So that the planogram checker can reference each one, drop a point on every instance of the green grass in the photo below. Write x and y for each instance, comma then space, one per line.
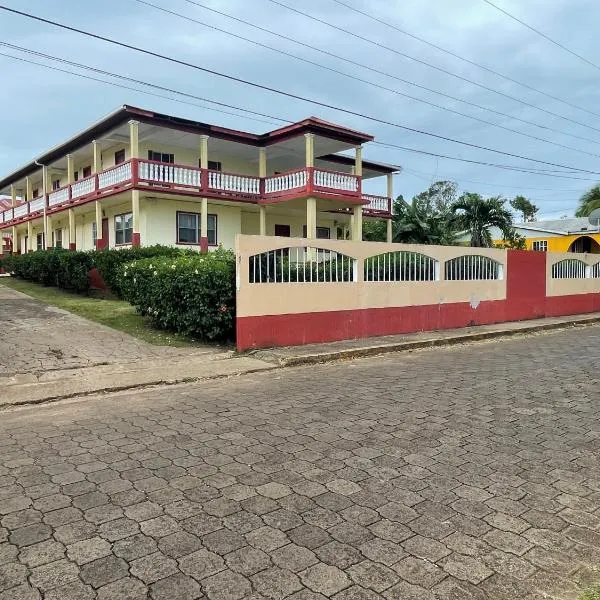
111, 312
592, 593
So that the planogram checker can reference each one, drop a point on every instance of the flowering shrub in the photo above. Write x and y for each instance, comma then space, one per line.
108, 262
193, 294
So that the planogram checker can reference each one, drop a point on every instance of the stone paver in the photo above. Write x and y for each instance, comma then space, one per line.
468, 472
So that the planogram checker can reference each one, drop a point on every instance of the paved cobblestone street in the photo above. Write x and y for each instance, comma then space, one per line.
461, 473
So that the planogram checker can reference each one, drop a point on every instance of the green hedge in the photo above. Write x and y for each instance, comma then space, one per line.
61, 268
109, 262
190, 294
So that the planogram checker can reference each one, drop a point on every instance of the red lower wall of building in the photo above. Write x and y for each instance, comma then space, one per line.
525, 299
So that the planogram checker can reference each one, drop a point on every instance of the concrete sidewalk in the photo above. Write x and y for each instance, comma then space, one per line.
143, 365
348, 349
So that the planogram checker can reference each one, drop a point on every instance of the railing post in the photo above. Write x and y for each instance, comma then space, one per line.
135, 172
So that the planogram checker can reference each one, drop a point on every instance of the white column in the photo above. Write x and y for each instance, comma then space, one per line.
29, 236
310, 149
72, 243
390, 235
390, 186
135, 212
204, 152
70, 169
204, 225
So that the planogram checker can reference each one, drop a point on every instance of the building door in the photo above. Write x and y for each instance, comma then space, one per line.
105, 233
282, 230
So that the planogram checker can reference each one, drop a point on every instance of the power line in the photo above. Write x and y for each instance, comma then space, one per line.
126, 87
375, 70
420, 61
243, 110
542, 34
287, 94
379, 86
462, 58
479, 162
137, 81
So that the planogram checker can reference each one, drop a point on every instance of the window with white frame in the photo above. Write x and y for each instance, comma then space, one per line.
188, 228
56, 184
540, 246
94, 233
123, 229
39, 241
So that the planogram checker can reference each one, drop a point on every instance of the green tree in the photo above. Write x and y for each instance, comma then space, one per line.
524, 206
589, 201
477, 215
374, 230
439, 196
513, 241
418, 222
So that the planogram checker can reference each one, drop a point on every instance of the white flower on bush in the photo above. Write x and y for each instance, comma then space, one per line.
155, 273
196, 271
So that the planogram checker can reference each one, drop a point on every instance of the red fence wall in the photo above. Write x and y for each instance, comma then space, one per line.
526, 298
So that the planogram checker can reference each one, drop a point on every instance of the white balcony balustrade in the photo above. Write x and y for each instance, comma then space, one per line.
286, 182
228, 182
377, 203
37, 205
84, 187
114, 176
168, 173
335, 181
21, 211
58, 197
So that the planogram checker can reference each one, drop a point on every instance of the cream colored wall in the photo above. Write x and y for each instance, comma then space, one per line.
290, 298
159, 221
83, 231
251, 225
570, 287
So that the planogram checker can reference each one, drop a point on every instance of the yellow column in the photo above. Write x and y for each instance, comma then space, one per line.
48, 232
97, 160
311, 218
310, 149
262, 162
28, 188
29, 236
204, 225
135, 211
204, 152
45, 187
262, 219
357, 224
70, 169
358, 170
15, 240
134, 139
100, 243
72, 243
13, 195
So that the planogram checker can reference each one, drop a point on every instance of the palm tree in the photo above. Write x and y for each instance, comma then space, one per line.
589, 202
418, 222
477, 215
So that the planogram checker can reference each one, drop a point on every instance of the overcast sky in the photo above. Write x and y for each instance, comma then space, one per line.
42, 107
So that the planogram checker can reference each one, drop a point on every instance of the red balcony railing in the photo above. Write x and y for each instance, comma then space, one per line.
192, 180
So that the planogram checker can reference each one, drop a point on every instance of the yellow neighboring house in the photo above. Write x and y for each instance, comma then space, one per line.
559, 235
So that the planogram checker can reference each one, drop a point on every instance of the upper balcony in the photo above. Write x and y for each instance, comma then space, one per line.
159, 177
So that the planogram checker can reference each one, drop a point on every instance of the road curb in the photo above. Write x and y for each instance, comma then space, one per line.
407, 346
